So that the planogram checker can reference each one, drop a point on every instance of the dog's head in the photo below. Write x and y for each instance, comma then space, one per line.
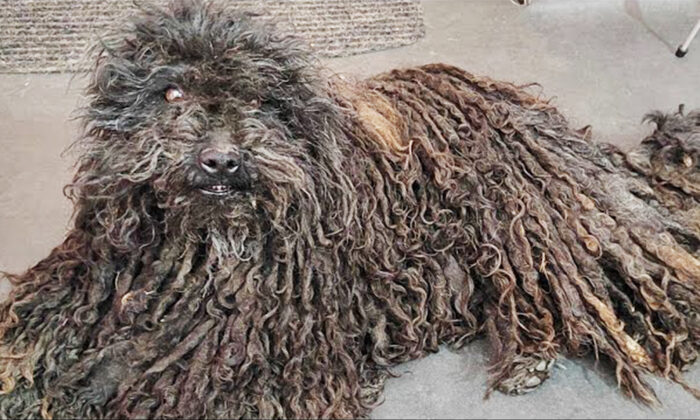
207, 112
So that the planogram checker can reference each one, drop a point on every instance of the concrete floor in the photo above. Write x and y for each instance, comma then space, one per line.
606, 62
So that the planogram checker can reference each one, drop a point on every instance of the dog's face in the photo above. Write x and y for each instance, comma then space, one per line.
208, 111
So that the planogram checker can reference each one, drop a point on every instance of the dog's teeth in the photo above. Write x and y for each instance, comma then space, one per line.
219, 188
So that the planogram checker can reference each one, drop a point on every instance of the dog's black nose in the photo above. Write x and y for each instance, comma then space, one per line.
217, 163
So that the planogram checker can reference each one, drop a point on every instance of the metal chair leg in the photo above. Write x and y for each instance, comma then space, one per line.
683, 49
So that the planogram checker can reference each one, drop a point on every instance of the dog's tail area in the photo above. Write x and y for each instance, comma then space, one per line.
668, 162
580, 248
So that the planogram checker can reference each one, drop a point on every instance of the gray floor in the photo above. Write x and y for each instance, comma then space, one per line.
606, 63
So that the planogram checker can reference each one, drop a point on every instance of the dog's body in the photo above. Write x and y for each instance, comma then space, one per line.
252, 240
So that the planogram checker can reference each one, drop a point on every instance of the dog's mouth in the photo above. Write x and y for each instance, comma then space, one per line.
224, 188
218, 190
234, 181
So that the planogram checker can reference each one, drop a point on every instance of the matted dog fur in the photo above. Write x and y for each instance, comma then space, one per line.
254, 239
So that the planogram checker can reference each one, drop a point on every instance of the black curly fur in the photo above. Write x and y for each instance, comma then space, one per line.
383, 218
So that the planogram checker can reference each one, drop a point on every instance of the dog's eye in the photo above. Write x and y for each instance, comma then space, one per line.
174, 94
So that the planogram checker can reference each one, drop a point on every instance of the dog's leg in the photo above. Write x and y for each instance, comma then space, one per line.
46, 325
525, 374
520, 363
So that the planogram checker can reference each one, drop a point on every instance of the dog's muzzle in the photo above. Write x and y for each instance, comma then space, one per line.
224, 172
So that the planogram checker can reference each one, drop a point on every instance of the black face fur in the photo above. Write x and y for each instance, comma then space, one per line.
181, 82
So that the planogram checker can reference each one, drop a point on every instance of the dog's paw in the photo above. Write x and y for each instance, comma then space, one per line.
525, 375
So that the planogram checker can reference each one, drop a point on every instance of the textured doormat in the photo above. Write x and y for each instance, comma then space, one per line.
39, 36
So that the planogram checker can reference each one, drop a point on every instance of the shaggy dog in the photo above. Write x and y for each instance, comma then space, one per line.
253, 239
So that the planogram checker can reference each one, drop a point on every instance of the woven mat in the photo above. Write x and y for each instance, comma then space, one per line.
53, 35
